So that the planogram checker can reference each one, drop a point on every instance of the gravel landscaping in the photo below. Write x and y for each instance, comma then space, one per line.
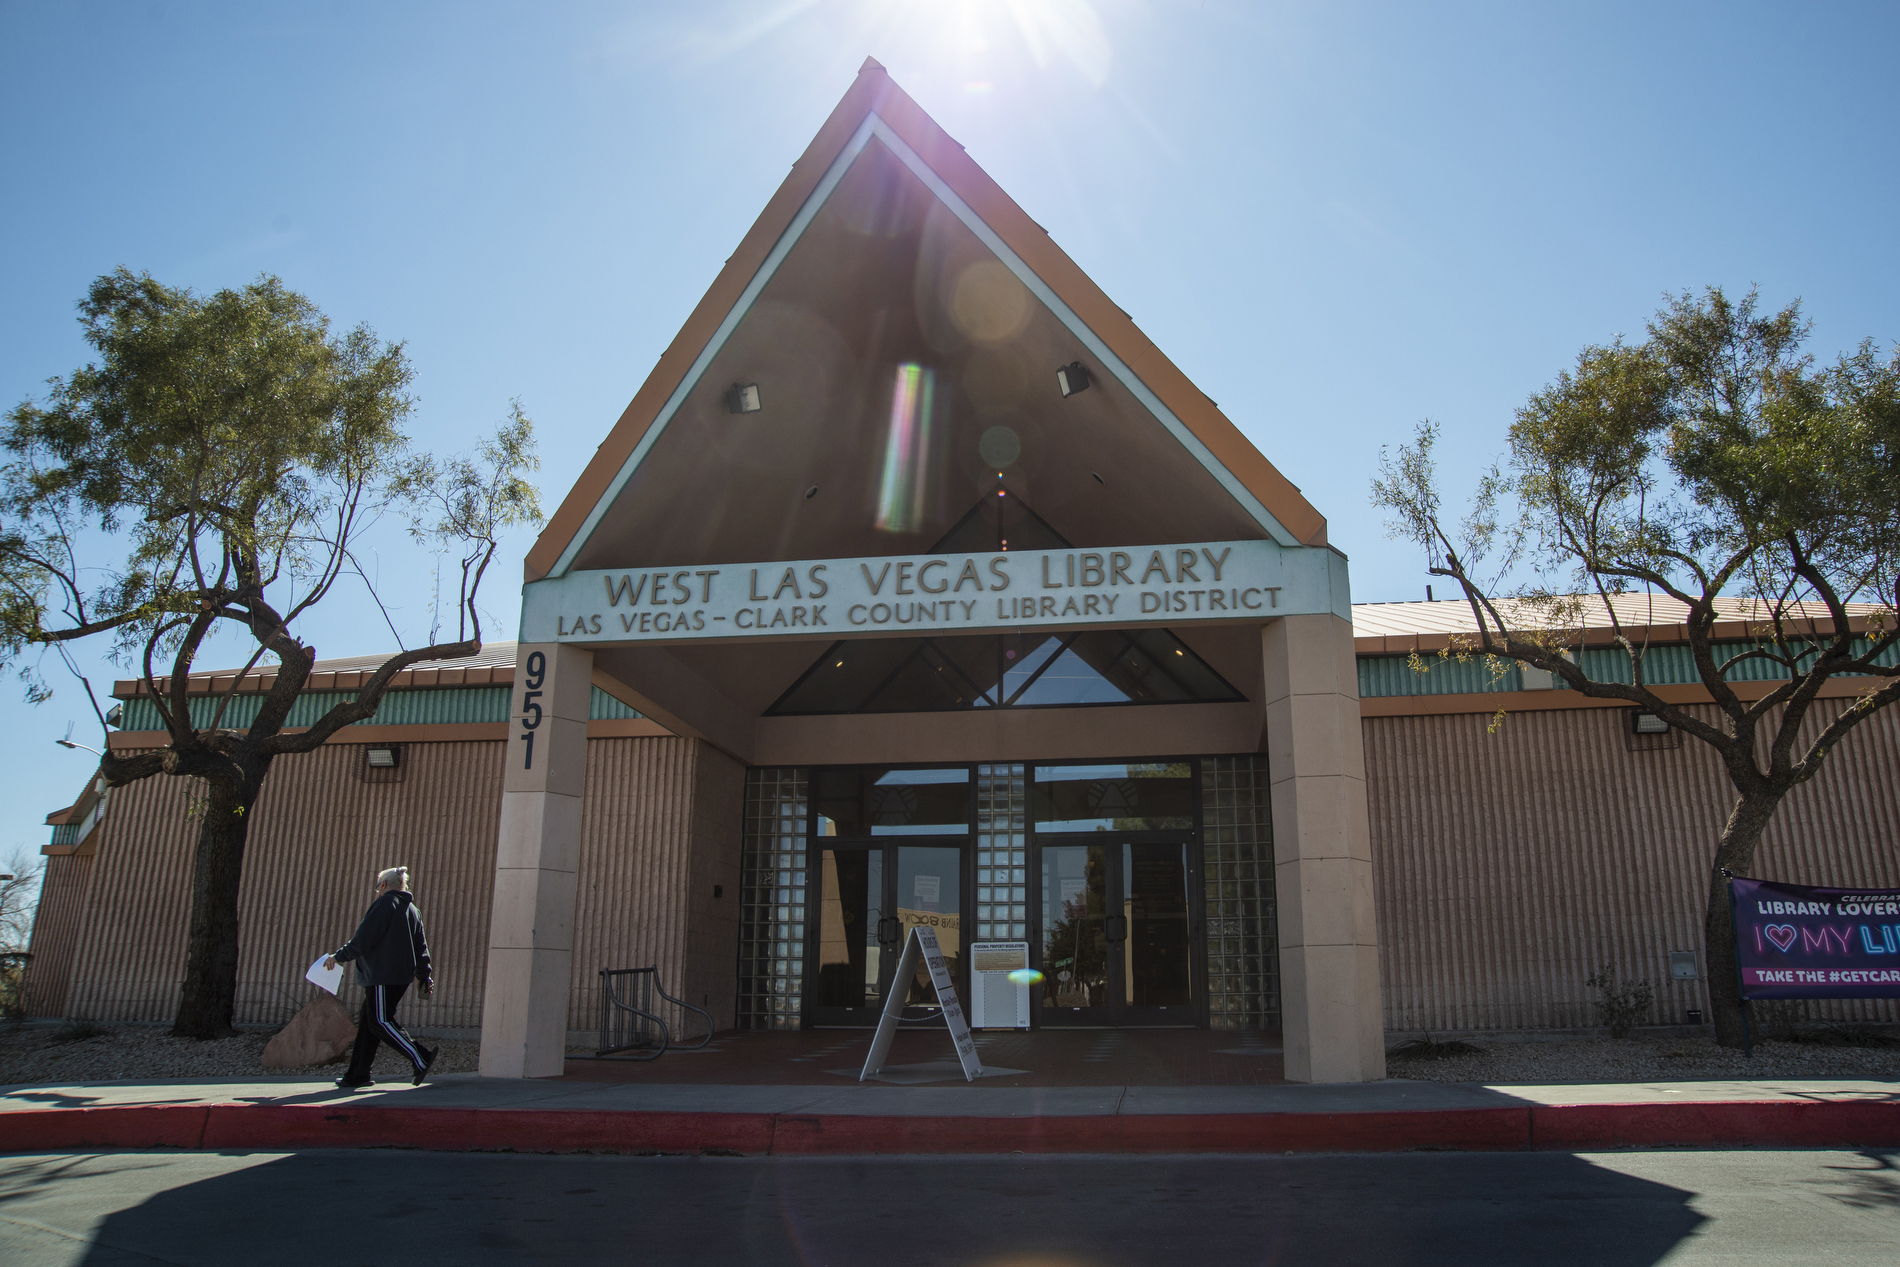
1646, 1060
50, 1053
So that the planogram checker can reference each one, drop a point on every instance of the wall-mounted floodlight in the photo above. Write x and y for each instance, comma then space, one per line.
383, 757
743, 398
1072, 378
1648, 724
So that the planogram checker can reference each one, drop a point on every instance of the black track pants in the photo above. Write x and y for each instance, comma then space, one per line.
377, 1024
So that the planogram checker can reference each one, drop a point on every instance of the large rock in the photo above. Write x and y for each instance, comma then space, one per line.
319, 1034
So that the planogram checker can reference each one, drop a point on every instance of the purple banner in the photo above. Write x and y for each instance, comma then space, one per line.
1796, 941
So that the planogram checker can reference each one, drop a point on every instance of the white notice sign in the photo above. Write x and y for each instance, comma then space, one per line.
929, 887
996, 1002
923, 941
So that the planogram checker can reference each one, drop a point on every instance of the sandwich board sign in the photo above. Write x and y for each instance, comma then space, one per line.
923, 941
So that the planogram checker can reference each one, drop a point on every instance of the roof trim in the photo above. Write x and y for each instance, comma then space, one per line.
1493, 702
873, 100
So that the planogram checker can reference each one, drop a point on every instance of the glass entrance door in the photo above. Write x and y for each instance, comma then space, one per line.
1115, 931
1157, 978
870, 897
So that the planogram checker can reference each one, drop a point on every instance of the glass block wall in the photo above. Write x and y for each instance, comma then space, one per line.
1243, 936
772, 901
1002, 854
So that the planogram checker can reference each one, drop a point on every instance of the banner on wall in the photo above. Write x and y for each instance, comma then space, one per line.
1799, 941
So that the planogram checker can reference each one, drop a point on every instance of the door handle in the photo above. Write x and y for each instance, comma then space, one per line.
1117, 927
887, 929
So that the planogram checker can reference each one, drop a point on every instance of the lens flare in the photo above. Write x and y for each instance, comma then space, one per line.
900, 499
1025, 976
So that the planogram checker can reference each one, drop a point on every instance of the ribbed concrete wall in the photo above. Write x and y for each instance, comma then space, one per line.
1510, 865
318, 838
56, 933
636, 865
661, 828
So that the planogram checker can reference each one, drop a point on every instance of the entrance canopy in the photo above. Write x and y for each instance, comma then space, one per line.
902, 412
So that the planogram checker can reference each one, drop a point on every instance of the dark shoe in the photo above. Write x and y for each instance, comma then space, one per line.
428, 1063
344, 1084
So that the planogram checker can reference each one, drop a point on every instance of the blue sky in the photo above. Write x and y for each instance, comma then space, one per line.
1337, 218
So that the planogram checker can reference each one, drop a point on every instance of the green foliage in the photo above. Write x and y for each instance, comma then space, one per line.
1716, 451
222, 443
1621, 1005
229, 450
470, 502
1712, 459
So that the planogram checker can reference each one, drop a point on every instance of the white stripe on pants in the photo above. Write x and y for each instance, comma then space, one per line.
391, 1033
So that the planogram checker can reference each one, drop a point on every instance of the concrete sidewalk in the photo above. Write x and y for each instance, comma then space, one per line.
465, 1112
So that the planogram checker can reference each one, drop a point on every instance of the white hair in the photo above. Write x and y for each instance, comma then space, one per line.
397, 877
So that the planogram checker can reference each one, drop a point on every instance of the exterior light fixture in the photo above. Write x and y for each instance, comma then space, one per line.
1648, 724
1072, 378
383, 757
743, 398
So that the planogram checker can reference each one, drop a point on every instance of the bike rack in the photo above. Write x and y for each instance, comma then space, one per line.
629, 1020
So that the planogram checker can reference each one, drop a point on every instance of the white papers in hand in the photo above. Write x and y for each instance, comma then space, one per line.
325, 978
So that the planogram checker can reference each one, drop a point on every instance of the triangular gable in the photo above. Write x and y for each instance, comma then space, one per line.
876, 109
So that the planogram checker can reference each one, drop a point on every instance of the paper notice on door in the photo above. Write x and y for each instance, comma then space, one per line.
324, 978
929, 888
1073, 889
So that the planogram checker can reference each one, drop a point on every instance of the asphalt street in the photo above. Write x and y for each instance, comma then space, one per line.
340, 1207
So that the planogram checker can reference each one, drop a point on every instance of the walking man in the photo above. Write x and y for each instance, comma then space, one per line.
389, 951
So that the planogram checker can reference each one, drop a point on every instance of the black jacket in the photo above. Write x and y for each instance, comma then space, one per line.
389, 948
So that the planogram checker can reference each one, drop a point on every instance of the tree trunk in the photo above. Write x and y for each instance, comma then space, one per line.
209, 999
1735, 853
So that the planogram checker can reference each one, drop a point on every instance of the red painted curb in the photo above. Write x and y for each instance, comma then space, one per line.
267, 1126
1569, 1127
1770, 1123
144, 1126
839, 1134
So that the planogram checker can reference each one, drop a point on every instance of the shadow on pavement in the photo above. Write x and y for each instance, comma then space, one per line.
329, 1207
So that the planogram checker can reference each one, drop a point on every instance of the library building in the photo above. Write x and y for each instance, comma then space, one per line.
917, 588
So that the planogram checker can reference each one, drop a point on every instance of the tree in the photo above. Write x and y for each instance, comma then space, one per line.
1716, 464
19, 895
218, 467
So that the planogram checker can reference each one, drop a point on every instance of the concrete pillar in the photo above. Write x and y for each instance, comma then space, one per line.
1333, 1026
531, 926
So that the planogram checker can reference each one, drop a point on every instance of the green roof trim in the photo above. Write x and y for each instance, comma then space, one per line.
427, 706
1388, 676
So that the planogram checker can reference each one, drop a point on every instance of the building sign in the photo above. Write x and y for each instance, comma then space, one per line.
1794, 941
938, 593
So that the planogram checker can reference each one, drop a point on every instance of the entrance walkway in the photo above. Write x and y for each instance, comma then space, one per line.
923, 1056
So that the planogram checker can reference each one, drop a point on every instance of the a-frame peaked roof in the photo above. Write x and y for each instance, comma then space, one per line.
876, 112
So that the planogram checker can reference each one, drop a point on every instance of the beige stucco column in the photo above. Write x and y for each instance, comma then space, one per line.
531, 926
1322, 848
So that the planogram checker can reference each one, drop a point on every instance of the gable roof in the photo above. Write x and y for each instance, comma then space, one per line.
875, 107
